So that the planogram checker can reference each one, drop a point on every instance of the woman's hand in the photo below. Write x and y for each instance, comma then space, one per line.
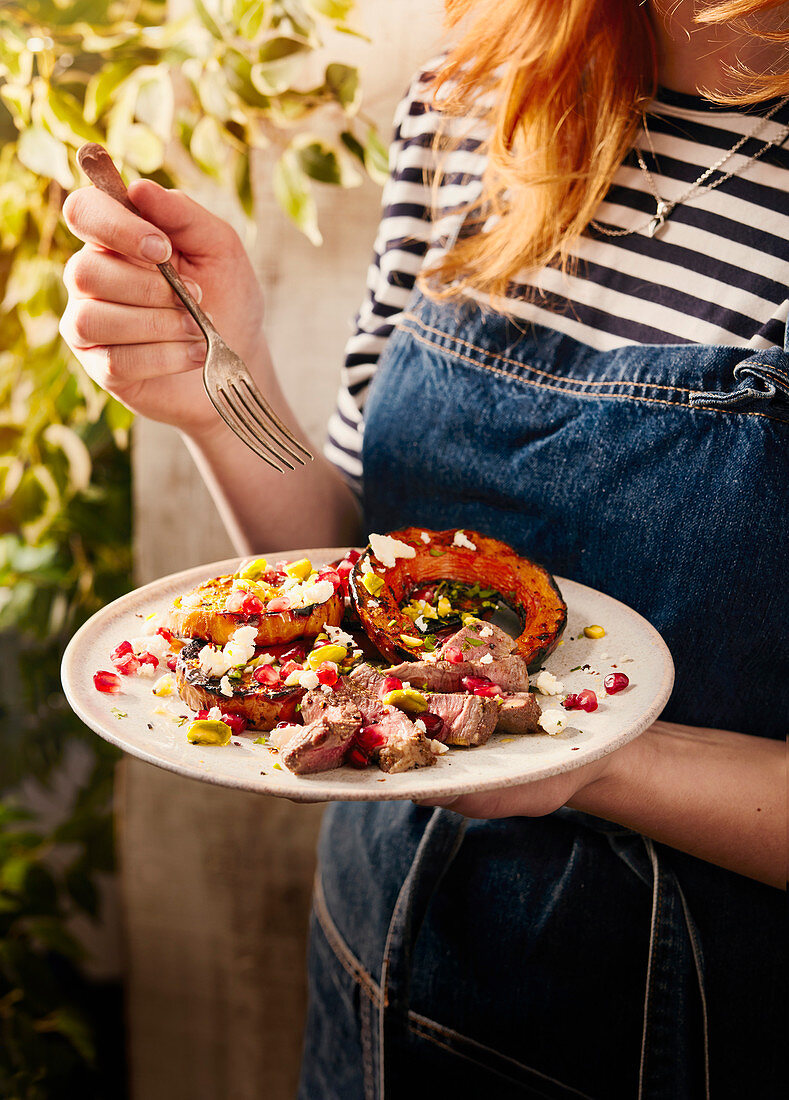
125, 324
715, 794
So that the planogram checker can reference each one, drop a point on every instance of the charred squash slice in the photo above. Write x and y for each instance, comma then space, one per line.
379, 590
202, 613
261, 706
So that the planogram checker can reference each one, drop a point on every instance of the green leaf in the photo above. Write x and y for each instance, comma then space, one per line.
337, 10
376, 157
66, 118
102, 85
292, 192
248, 16
207, 19
244, 184
142, 148
207, 147
353, 145
321, 161
73, 1026
343, 80
43, 154
18, 97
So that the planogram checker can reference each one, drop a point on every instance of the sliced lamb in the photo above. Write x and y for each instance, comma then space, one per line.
519, 713
468, 719
323, 743
405, 746
476, 640
367, 677
337, 704
510, 673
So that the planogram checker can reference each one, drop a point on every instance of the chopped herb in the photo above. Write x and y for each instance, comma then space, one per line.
181, 720
577, 668
119, 713
278, 767
429, 643
434, 552
473, 641
262, 740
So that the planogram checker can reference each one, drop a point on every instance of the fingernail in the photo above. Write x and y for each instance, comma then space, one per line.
191, 325
197, 352
155, 249
194, 289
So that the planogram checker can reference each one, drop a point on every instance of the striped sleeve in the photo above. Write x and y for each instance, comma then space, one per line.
400, 248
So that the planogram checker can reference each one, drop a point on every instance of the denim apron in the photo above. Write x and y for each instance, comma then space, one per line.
565, 956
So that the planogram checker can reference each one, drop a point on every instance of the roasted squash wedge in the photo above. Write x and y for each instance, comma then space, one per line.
381, 583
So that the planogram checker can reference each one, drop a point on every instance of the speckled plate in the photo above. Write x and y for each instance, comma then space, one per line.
154, 730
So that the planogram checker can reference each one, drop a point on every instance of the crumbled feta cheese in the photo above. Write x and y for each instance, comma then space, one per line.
225, 686
486, 659
547, 684
421, 623
424, 537
165, 685
294, 678
461, 539
235, 601
486, 632
212, 661
278, 738
241, 647
310, 592
327, 689
438, 748
191, 599
308, 679
337, 635
151, 643
420, 725
387, 549
215, 714
146, 670
265, 659
552, 721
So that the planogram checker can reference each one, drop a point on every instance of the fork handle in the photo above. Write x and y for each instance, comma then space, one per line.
96, 163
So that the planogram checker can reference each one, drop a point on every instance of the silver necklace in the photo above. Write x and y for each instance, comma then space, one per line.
665, 207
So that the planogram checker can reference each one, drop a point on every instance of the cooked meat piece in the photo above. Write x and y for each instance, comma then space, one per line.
479, 639
405, 746
323, 743
509, 673
338, 704
519, 713
366, 676
468, 719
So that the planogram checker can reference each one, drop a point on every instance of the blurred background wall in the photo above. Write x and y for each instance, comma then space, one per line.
215, 883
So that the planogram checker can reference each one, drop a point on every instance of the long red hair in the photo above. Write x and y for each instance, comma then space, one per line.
561, 85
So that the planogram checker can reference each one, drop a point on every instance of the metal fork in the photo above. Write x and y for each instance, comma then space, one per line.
227, 381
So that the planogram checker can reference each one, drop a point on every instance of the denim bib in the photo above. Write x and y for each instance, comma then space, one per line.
566, 957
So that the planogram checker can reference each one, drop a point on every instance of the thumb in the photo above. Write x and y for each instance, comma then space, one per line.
193, 231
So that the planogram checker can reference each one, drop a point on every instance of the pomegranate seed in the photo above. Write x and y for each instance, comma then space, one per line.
587, 700
107, 682
236, 722
327, 673
171, 662
127, 665
434, 725
279, 603
121, 650
333, 576
148, 659
571, 702
251, 605
165, 633
391, 683
480, 685
352, 556
288, 667
454, 656
356, 758
617, 681
202, 714
275, 577
265, 674
369, 738
294, 653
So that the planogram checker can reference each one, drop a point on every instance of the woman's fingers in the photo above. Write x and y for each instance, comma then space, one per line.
96, 273
118, 368
87, 323
98, 219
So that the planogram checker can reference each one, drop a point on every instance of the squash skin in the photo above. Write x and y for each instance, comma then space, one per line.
525, 586
207, 619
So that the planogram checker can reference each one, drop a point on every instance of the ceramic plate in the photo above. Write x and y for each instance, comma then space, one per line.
153, 729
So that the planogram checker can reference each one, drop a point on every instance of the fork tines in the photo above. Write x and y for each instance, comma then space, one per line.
244, 411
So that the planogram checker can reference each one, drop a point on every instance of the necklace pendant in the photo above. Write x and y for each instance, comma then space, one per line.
662, 212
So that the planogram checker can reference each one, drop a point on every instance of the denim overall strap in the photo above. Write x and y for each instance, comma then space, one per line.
670, 1050
439, 845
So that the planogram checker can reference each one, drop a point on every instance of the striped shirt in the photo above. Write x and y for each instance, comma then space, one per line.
716, 273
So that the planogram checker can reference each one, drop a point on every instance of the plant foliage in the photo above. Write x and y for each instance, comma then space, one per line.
172, 95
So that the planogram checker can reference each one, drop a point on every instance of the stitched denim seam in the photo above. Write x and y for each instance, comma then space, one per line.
340, 948
582, 393
535, 370
653, 935
422, 1027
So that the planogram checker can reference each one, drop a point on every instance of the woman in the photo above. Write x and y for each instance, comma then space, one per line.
596, 369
